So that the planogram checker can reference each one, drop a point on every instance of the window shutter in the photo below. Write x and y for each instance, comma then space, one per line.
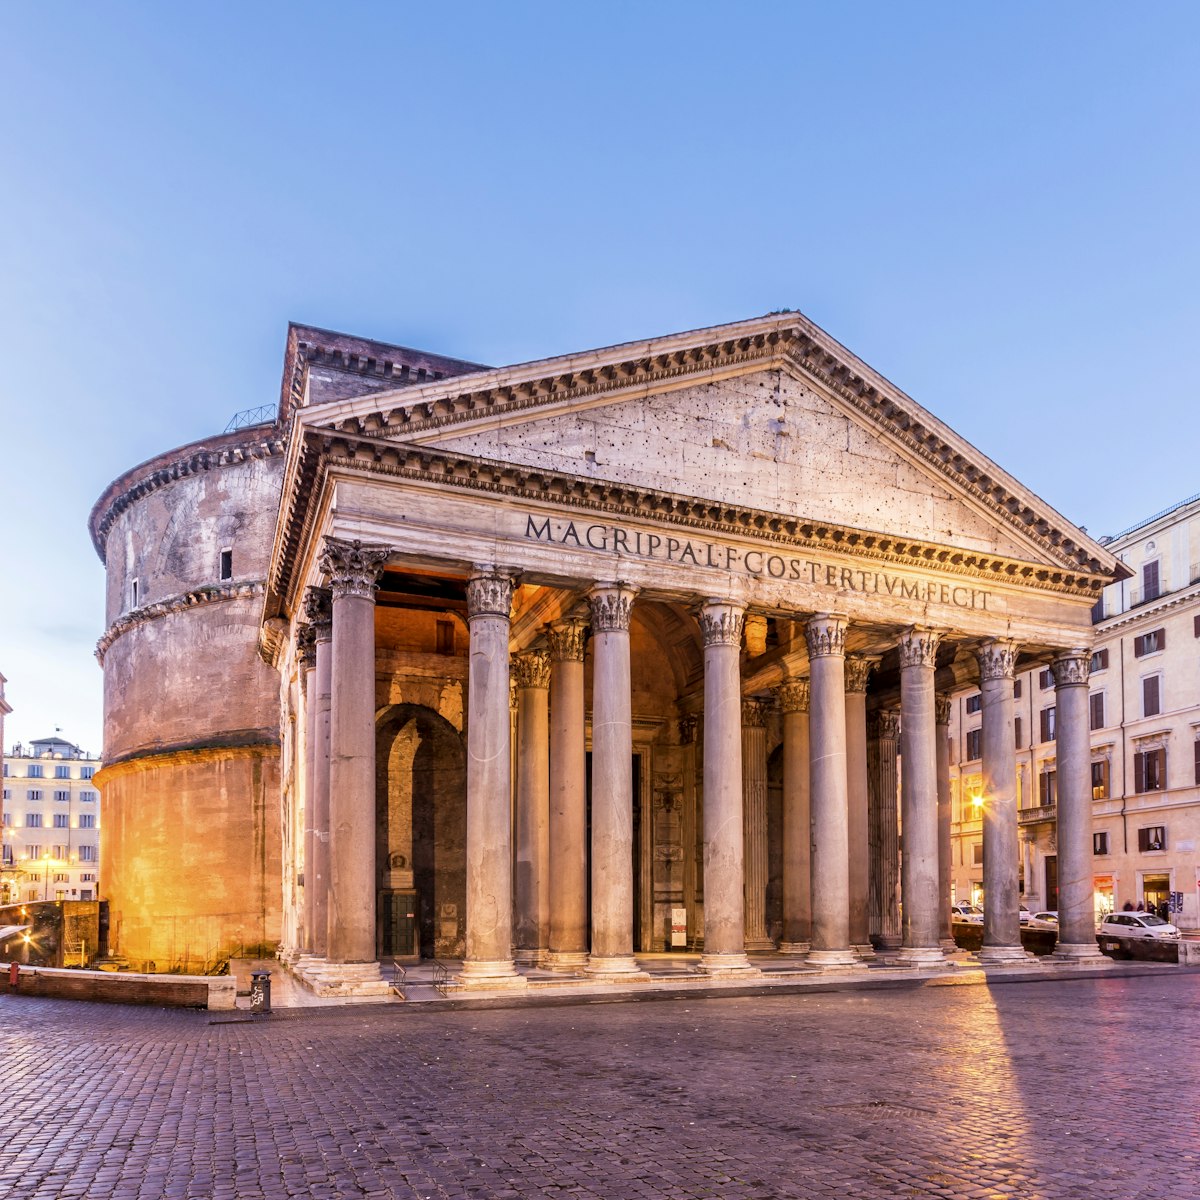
1150, 581
1150, 696
1017, 729
1096, 702
1198, 761
1139, 772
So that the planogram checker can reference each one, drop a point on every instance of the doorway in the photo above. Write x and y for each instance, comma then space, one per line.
1051, 877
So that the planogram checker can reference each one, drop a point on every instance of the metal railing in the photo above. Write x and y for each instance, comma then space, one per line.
263, 415
443, 982
399, 979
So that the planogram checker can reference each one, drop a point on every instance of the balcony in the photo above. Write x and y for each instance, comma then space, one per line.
1034, 816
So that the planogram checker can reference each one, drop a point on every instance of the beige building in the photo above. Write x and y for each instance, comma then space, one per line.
565, 661
1144, 718
51, 823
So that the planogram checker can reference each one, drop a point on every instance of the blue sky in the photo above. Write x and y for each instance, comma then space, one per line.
993, 204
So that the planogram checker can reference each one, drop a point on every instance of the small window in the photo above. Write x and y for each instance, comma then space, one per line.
1096, 710
1100, 660
1017, 687
974, 744
33, 850
1151, 695
86, 772
977, 854
1149, 643
62, 794
60, 851
62, 772
974, 703
87, 878
1100, 843
33, 820
62, 821
445, 637
87, 853
35, 771
1100, 779
226, 564
87, 820
33, 793
1047, 726
1046, 679
1048, 788
87, 797
133, 593
1150, 770
1153, 837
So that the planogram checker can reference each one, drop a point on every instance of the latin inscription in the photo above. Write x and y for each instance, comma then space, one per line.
612, 539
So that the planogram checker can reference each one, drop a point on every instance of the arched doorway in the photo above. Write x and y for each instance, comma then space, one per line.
420, 833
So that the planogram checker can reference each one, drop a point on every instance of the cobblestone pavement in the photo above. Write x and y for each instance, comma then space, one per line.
1083, 1089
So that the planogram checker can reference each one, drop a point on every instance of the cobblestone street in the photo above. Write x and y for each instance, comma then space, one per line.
1069, 1090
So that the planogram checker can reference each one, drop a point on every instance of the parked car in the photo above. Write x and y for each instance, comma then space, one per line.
1025, 916
1136, 924
1044, 920
971, 913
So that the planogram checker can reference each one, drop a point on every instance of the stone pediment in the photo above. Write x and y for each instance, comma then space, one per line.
771, 415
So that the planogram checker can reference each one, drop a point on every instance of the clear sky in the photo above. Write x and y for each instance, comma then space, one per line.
994, 204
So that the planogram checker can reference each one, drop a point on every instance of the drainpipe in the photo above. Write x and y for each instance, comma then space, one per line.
1124, 781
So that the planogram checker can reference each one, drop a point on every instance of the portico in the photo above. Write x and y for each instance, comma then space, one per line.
718, 568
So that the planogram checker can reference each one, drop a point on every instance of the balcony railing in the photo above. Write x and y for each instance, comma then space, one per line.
1043, 812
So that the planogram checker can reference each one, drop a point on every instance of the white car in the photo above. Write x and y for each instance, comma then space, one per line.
1025, 916
1044, 920
971, 913
1136, 924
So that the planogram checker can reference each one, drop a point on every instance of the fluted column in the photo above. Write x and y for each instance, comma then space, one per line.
306, 664
1073, 759
488, 962
754, 815
945, 822
354, 570
531, 913
918, 799
318, 608
1001, 854
568, 798
857, 831
826, 634
797, 819
612, 784
724, 841
883, 745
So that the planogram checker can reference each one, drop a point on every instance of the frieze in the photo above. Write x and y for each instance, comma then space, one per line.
531, 670
721, 623
1072, 667
611, 607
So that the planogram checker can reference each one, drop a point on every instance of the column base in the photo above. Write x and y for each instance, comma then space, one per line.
487, 974
728, 964
530, 958
566, 960
864, 950
889, 943
920, 956
759, 945
948, 945
621, 968
833, 960
1078, 954
345, 979
795, 947
1005, 956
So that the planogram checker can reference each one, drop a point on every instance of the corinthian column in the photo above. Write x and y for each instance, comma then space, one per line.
612, 785
318, 608
918, 799
857, 834
568, 798
532, 883
883, 744
1076, 912
754, 811
797, 822
488, 962
945, 823
1001, 894
354, 570
724, 899
826, 634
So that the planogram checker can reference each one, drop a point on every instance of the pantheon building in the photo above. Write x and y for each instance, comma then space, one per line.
552, 666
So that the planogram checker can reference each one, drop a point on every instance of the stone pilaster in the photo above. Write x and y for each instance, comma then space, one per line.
488, 962
612, 785
568, 798
883, 745
531, 887
754, 815
1073, 759
826, 635
918, 799
858, 669
797, 827
945, 821
724, 845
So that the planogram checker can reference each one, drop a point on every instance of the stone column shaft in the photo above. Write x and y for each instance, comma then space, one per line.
883, 747
918, 798
797, 819
945, 822
355, 570
316, 877
857, 835
568, 798
531, 924
612, 784
1076, 904
307, 659
754, 802
826, 634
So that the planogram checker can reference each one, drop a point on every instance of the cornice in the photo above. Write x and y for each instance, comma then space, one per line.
322, 450
1148, 612
149, 760
200, 597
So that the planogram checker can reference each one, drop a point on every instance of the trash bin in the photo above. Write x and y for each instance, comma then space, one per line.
260, 992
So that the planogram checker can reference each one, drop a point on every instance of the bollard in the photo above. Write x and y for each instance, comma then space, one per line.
14, 973
260, 992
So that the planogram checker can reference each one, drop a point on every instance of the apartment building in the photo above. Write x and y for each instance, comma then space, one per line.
51, 823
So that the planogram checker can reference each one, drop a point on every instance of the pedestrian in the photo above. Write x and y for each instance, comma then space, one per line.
1128, 906
1141, 906
1164, 911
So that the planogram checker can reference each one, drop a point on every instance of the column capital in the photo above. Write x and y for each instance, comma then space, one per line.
306, 646
826, 635
354, 568
687, 729
318, 608
721, 622
490, 593
793, 695
567, 640
1072, 667
531, 670
858, 667
997, 659
754, 713
612, 605
941, 708
884, 724
918, 647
